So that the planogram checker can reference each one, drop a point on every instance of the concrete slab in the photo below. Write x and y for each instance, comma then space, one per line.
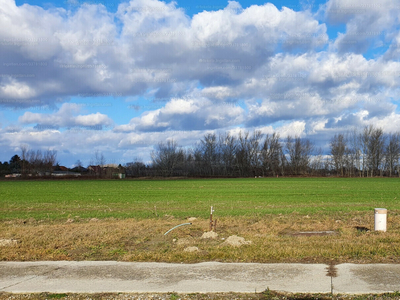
208, 277
367, 279
96, 277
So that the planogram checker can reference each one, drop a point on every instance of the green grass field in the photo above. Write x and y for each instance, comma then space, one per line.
142, 199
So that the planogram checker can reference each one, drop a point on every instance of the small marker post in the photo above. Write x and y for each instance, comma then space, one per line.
213, 224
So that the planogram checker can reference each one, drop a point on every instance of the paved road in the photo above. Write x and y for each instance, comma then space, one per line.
111, 276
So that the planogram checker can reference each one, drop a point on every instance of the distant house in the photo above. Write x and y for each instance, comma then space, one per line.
111, 166
95, 169
79, 170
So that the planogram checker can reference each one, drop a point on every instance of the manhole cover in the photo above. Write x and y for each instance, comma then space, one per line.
312, 233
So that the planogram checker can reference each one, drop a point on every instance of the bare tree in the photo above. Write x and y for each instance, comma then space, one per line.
271, 154
49, 160
167, 157
35, 161
354, 151
188, 162
227, 146
242, 159
248, 152
99, 158
38, 162
338, 147
24, 153
255, 151
392, 152
298, 154
376, 150
364, 141
210, 154
198, 161
100, 162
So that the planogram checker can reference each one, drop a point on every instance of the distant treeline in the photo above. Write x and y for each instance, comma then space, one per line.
369, 152
32, 162
364, 153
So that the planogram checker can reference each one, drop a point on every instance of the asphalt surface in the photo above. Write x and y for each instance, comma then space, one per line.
209, 277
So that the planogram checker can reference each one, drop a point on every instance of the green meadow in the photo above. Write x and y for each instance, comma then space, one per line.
142, 199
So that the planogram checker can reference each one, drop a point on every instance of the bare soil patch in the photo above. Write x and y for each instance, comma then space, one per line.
209, 235
191, 249
236, 241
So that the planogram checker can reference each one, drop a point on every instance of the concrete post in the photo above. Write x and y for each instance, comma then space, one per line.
380, 219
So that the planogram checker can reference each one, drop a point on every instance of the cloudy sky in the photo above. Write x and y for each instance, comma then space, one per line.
120, 76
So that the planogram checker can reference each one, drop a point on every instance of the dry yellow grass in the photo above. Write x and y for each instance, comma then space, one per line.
273, 239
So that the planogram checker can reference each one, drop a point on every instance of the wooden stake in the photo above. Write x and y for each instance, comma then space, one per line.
213, 224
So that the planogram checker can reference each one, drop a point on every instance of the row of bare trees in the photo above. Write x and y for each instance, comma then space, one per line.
369, 152
240, 156
37, 162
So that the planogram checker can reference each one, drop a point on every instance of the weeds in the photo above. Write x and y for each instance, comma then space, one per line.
56, 296
174, 297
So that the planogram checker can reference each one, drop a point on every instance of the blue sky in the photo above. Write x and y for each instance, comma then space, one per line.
119, 77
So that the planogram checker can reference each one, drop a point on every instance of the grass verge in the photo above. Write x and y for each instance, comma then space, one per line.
274, 238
